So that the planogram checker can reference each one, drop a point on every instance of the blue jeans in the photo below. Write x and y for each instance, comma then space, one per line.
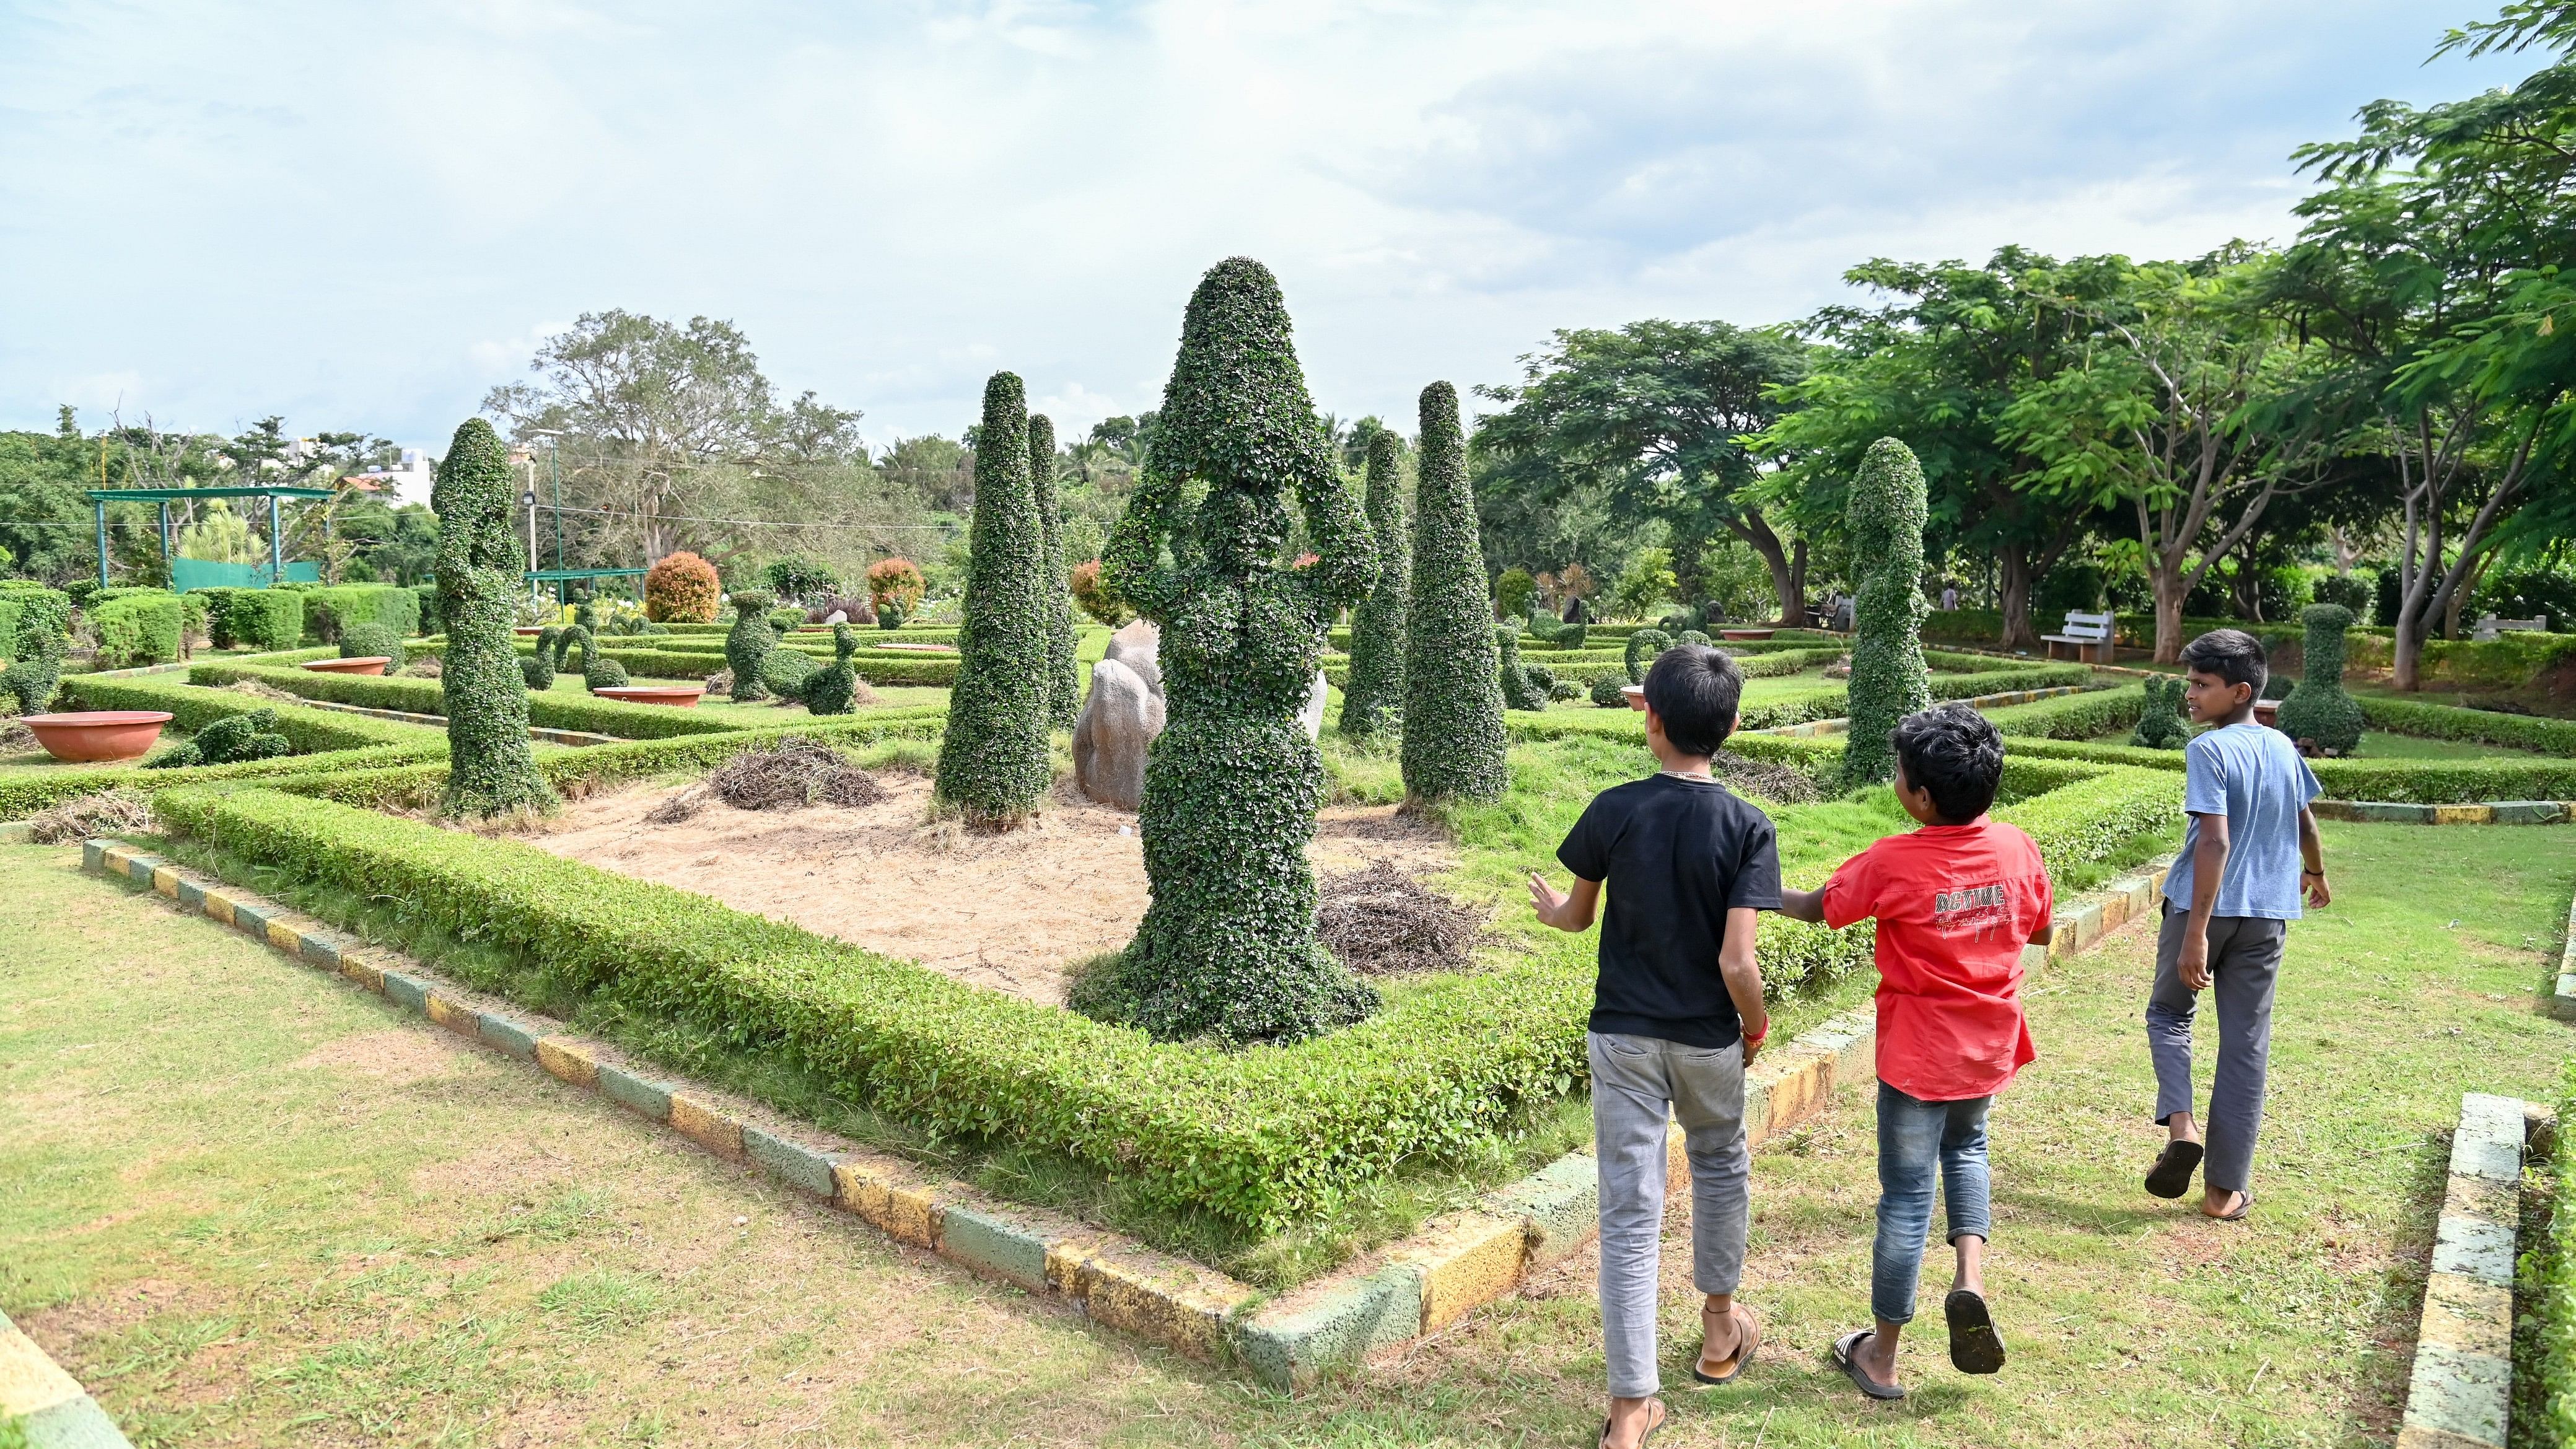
1914, 1138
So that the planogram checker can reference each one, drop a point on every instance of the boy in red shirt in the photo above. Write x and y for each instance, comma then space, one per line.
1956, 901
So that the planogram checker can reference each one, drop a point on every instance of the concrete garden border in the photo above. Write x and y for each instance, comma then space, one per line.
1457, 1262
2562, 1002
45, 1405
2461, 1391
2485, 812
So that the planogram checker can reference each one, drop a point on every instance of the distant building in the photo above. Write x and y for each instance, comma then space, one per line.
408, 480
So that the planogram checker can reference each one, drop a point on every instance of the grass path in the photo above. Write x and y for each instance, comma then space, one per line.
246, 1205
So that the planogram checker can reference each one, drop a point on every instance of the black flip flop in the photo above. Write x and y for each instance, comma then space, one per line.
2171, 1176
1975, 1347
1843, 1348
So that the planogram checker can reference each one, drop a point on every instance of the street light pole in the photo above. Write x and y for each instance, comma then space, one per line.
528, 500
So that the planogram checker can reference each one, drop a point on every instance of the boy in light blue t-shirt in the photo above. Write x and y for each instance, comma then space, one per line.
2250, 849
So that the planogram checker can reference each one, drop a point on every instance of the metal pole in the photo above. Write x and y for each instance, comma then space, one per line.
102, 541
276, 563
165, 544
554, 465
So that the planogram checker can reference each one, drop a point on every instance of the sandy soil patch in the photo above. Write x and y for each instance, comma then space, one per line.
395, 1055
1008, 911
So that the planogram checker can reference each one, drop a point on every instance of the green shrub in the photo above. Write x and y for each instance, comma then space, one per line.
681, 588
799, 578
1453, 697
1063, 679
484, 696
1514, 592
1227, 949
413, 695
2160, 722
138, 628
598, 671
993, 763
424, 605
368, 641
832, 688
1645, 646
39, 636
537, 670
1608, 693
2351, 591
1885, 517
785, 671
256, 618
329, 611
1373, 700
1519, 690
1693, 636
1549, 632
242, 738
748, 644
2425, 720
2320, 713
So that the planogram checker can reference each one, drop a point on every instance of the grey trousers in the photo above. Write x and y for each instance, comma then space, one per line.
1638, 1083
2244, 967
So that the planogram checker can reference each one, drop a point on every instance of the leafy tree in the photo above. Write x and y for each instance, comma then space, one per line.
1373, 695
490, 769
800, 579
993, 758
1453, 698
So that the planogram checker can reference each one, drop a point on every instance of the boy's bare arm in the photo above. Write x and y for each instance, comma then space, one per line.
1808, 906
2312, 859
1744, 978
2208, 863
1572, 911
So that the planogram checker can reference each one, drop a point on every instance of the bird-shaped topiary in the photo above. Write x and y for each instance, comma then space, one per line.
1519, 690
834, 688
2160, 725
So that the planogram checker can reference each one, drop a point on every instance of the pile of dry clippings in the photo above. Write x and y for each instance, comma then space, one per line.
1379, 921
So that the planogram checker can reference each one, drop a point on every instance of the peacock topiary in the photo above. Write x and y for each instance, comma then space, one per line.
1645, 646
2319, 714
748, 644
538, 670
834, 688
229, 741
1519, 690
2160, 725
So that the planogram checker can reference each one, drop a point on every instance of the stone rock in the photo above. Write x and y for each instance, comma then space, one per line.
1312, 716
839, 616
1119, 721
1139, 646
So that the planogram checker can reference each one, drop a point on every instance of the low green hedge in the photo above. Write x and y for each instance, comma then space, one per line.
329, 610
139, 628
424, 696
193, 707
2426, 720
2405, 782
257, 618
2073, 716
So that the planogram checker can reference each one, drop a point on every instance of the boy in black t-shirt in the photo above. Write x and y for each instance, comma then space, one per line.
1677, 1015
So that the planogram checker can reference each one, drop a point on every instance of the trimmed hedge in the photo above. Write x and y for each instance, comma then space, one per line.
1453, 695
139, 628
2073, 716
429, 696
993, 762
2403, 782
255, 618
1063, 680
2426, 720
329, 610
1373, 699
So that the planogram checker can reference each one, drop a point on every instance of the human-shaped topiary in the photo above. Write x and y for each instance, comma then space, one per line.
1373, 695
490, 767
372, 640
748, 644
1064, 679
1512, 677
229, 741
1453, 696
1885, 518
2319, 714
1228, 949
833, 688
1645, 646
2160, 723
993, 764
36, 654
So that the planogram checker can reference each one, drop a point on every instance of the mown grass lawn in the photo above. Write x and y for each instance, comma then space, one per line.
247, 1205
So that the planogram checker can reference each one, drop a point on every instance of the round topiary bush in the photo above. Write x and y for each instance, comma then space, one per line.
749, 642
2160, 724
2319, 714
1608, 693
1063, 681
1514, 592
598, 671
1885, 518
491, 769
368, 641
895, 586
993, 764
1228, 949
681, 588
1645, 646
230, 741
1453, 696
1373, 695
1693, 636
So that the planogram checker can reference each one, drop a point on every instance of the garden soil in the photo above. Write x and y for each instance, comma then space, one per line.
1009, 911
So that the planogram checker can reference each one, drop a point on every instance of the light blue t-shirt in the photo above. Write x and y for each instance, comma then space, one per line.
2252, 775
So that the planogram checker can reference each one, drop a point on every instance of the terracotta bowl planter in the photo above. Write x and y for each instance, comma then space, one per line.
1745, 633
528, 631
365, 664
683, 696
1635, 694
94, 736
2267, 713
922, 648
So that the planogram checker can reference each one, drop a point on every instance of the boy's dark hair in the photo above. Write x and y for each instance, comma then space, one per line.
1694, 689
1954, 754
2231, 654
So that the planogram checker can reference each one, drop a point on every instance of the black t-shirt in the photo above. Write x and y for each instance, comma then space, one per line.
1678, 855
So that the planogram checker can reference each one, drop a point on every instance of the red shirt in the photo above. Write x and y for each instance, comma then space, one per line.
1955, 905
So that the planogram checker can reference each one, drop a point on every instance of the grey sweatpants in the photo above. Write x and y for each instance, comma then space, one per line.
1638, 1083
2244, 966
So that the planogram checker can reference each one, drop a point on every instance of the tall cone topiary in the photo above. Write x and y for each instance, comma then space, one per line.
993, 762
1227, 950
1453, 693
1885, 519
490, 768
2319, 714
1373, 698
1063, 681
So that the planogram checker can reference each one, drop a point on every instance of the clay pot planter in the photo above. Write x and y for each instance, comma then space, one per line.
920, 648
528, 631
1635, 694
1745, 633
96, 736
682, 696
364, 664
2267, 713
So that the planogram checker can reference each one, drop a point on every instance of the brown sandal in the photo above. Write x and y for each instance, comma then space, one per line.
1653, 1426
1748, 1337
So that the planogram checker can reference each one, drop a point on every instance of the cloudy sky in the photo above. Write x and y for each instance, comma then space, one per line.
364, 216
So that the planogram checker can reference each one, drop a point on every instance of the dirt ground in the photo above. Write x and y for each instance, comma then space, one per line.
1009, 912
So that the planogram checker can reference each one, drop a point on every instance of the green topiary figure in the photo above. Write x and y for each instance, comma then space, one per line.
229, 741
598, 671
1693, 636
1519, 690
785, 672
833, 688
1607, 693
490, 769
1063, 679
748, 644
36, 655
2160, 724
1885, 518
2319, 714
1373, 697
369, 641
1227, 950
1453, 696
1645, 646
993, 763
537, 671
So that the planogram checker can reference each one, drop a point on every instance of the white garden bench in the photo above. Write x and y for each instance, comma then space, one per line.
2488, 627
2089, 635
